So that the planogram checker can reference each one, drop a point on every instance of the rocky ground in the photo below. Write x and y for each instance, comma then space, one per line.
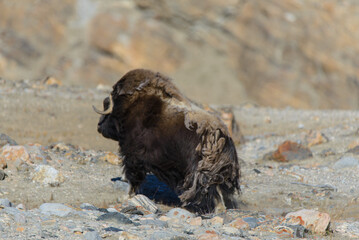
59, 177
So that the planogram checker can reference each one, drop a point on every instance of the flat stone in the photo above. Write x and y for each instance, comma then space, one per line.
19, 216
56, 209
179, 213
115, 217
154, 222
346, 162
143, 201
112, 229
231, 231
93, 235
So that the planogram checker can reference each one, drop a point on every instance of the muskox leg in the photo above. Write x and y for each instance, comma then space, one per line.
135, 173
219, 202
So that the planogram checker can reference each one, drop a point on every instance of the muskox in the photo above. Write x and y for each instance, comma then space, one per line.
161, 131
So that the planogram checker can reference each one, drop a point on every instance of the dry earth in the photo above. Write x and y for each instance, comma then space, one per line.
32, 112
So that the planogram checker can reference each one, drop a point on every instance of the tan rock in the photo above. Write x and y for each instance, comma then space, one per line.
14, 156
111, 158
216, 221
195, 221
128, 236
239, 224
315, 138
313, 220
51, 81
209, 235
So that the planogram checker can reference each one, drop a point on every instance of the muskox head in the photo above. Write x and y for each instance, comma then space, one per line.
107, 125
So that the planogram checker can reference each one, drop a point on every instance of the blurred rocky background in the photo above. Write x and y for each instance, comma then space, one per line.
278, 53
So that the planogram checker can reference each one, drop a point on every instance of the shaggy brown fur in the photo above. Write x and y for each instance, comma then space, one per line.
161, 131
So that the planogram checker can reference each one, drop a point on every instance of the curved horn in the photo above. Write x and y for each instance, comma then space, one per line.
109, 109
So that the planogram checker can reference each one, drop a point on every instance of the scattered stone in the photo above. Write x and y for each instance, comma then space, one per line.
87, 206
288, 151
195, 221
315, 138
37, 154
252, 222
166, 235
346, 162
46, 174
299, 231
111, 158
115, 217
327, 152
60, 147
13, 157
56, 209
112, 229
5, 203
313, 220
209, 235
231, 231
354, 150
179, 213
51, 81
3, 163
129, 236
154, 222
354, 144
93, 235
216, 221
143, 201
239, 223
5, 139
21, 206
19, 216
131, 210
348, 229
